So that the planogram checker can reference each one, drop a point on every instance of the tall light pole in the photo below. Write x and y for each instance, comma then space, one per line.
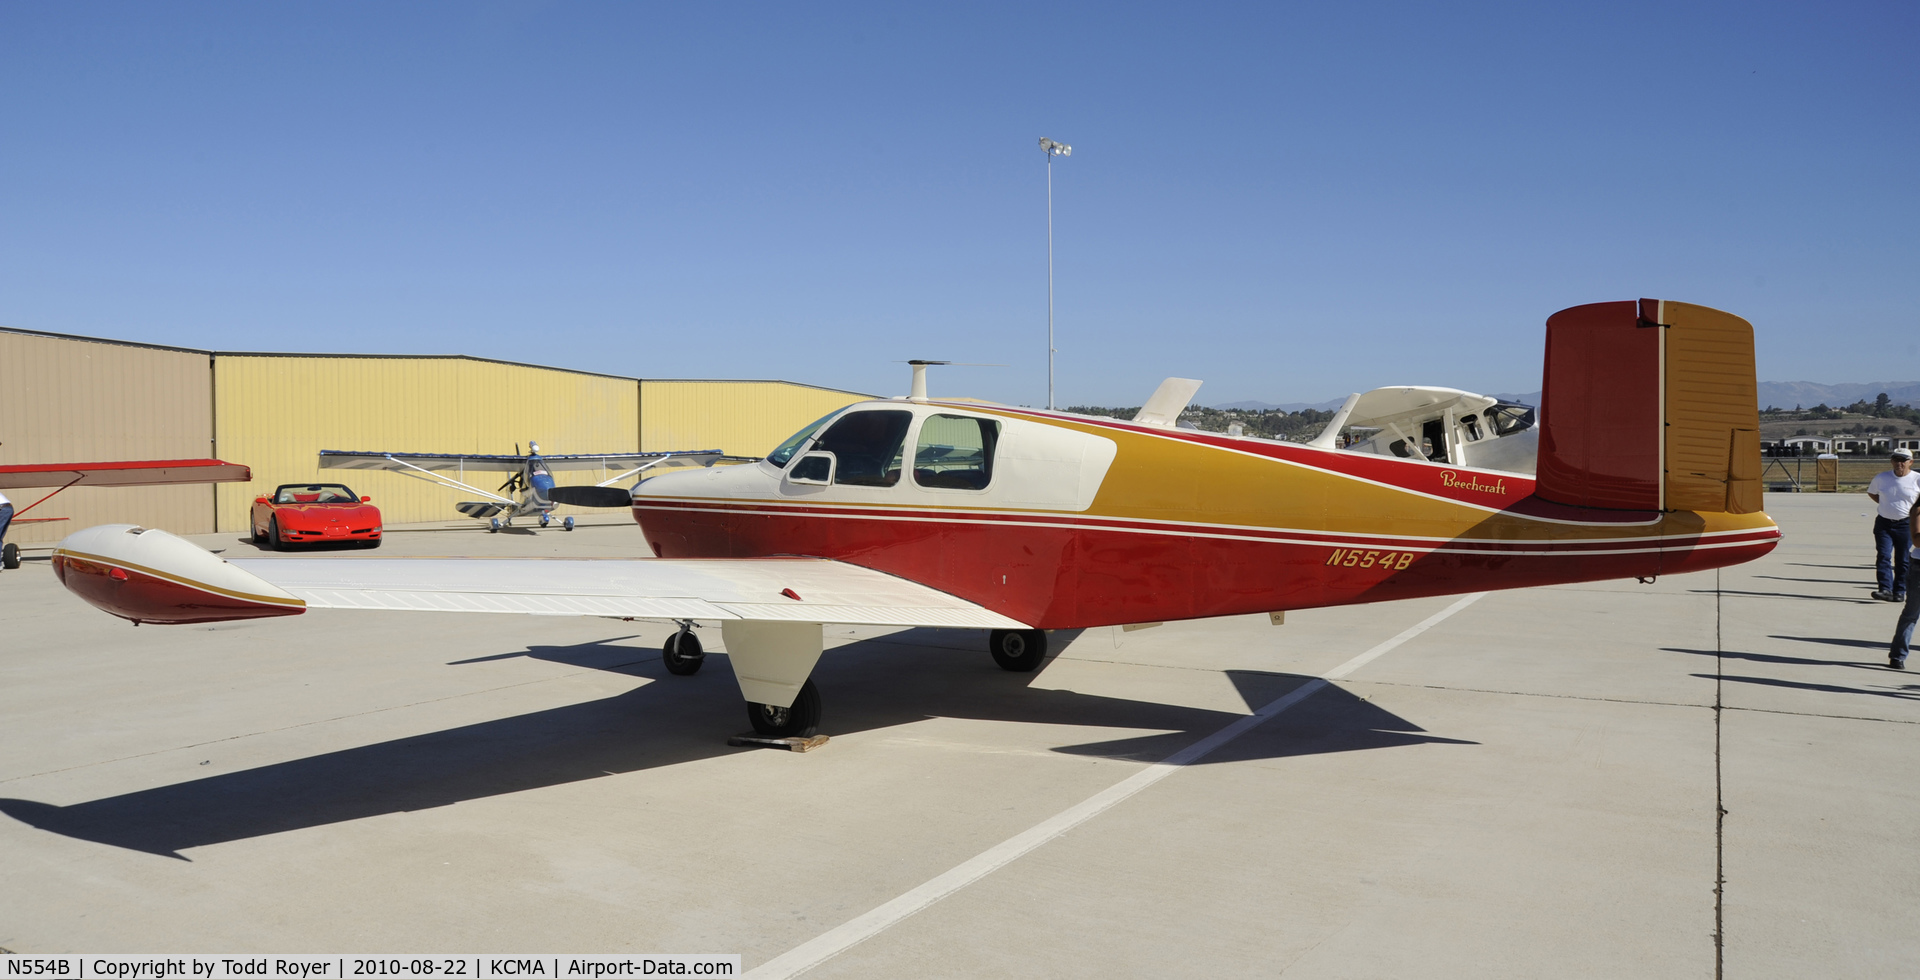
1051, 149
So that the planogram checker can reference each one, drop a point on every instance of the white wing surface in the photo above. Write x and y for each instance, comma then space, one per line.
642, 588
153, 576
338, 459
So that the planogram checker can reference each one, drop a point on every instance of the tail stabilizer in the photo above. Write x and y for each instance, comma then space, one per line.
1650, 405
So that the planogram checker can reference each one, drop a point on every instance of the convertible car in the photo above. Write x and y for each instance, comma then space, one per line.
299, 513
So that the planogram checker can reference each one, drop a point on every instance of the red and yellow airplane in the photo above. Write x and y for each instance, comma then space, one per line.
917, 512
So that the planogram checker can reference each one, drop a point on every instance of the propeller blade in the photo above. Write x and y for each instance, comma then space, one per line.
591, 496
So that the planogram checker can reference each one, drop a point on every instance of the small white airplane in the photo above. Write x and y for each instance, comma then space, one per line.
1437, 425
531, 479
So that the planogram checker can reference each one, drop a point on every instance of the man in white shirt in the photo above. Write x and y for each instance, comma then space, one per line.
1895, 491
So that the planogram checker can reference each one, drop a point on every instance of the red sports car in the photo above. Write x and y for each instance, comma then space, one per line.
298, 513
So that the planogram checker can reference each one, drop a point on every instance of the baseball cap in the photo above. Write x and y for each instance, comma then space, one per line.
1903, 454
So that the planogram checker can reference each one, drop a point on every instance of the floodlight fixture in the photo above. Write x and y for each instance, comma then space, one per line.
1053, 149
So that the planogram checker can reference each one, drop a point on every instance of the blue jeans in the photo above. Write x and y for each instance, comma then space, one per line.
1891, 539
1909, 614
6, 518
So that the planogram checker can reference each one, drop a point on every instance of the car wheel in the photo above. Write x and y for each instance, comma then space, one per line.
258, 538
273, 535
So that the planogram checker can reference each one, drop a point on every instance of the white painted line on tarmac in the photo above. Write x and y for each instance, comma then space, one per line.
839, 939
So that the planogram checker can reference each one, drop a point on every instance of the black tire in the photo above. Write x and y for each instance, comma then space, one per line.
273, 535
682, 654
1017, 650
799, 721
254, 533
10, 556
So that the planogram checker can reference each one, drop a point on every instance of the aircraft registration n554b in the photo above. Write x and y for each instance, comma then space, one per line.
919, 512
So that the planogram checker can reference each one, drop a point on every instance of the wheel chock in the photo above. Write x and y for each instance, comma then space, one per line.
790, 744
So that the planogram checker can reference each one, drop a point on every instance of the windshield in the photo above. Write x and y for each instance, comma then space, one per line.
314, 493
781, 455
1508, 418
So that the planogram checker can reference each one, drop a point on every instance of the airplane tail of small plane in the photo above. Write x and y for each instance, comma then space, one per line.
1650, 405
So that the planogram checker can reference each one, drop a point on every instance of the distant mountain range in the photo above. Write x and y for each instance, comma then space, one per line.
1806, 394
1775, 394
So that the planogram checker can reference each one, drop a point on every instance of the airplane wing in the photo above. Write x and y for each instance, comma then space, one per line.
152, 576
123, 473
337, 459
630, 461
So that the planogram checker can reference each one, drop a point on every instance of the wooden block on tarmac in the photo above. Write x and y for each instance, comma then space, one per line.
790, 744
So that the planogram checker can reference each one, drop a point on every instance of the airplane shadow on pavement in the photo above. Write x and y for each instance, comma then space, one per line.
868, 685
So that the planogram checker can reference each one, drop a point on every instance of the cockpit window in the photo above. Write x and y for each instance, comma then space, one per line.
781, 455
955, 452
866, 446
1508, 418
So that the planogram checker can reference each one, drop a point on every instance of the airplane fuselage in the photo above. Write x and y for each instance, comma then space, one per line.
1089, 522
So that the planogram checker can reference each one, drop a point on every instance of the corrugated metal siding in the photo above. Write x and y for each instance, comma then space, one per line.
276, 413
744, 418
70, 400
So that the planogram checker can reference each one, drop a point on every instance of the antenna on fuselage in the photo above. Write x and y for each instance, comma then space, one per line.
918, 392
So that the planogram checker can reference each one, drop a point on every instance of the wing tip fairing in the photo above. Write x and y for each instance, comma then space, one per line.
150, 576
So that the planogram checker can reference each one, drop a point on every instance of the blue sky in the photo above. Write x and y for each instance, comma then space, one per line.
1289, 202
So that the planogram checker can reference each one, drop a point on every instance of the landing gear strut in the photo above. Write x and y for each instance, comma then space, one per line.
801, 720
1017, 650
682, 653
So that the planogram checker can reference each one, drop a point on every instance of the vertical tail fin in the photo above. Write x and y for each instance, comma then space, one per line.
1650, 406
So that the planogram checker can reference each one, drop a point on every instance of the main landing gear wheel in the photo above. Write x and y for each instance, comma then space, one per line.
493, 526
800, 721
1017, 650
568, 523
10, 556
273, 535
682, 654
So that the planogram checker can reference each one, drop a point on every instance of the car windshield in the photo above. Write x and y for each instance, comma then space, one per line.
314, 493
781, 455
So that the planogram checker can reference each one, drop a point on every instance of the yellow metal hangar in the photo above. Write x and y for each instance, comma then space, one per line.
86, 399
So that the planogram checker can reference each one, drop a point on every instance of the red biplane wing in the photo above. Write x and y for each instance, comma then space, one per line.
122, 473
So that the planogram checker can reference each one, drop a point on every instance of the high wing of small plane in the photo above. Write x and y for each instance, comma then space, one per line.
116, 473
1439, 425
915, 511
531, 478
